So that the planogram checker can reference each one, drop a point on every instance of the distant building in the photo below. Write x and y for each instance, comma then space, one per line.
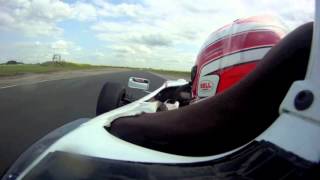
56, 58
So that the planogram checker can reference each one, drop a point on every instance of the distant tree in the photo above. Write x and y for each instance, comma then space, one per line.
13, 62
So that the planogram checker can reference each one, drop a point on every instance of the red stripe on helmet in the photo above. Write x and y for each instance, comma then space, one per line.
233, 75
243, 41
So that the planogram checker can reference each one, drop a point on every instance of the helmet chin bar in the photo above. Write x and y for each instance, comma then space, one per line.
297, 129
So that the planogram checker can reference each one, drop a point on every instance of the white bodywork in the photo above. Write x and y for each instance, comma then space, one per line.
298, 131
92, 139
294, 131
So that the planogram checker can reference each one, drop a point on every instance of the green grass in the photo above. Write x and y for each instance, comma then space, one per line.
48, 67
160, 71
171, 73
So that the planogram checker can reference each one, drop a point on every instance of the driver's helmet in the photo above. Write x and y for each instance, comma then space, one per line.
233, 51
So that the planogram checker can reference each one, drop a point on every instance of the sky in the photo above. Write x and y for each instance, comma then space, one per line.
161, 34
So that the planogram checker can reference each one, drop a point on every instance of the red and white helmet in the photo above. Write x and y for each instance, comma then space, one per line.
233, 51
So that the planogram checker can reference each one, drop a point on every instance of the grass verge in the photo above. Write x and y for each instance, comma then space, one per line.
48, 67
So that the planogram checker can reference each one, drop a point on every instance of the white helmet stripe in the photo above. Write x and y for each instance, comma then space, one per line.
237, 29
233, 59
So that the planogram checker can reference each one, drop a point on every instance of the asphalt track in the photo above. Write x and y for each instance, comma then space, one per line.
28, 112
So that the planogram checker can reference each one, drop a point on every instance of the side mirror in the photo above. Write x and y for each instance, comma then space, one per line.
138, 83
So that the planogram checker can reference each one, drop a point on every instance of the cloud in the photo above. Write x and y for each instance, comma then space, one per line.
61, 47
107, 9
295, 13
60, 44
152, 40
40, 51
84, 11
138, 33
5, 19
149, 33
173, 31
40, 17
33, 18
131, 50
